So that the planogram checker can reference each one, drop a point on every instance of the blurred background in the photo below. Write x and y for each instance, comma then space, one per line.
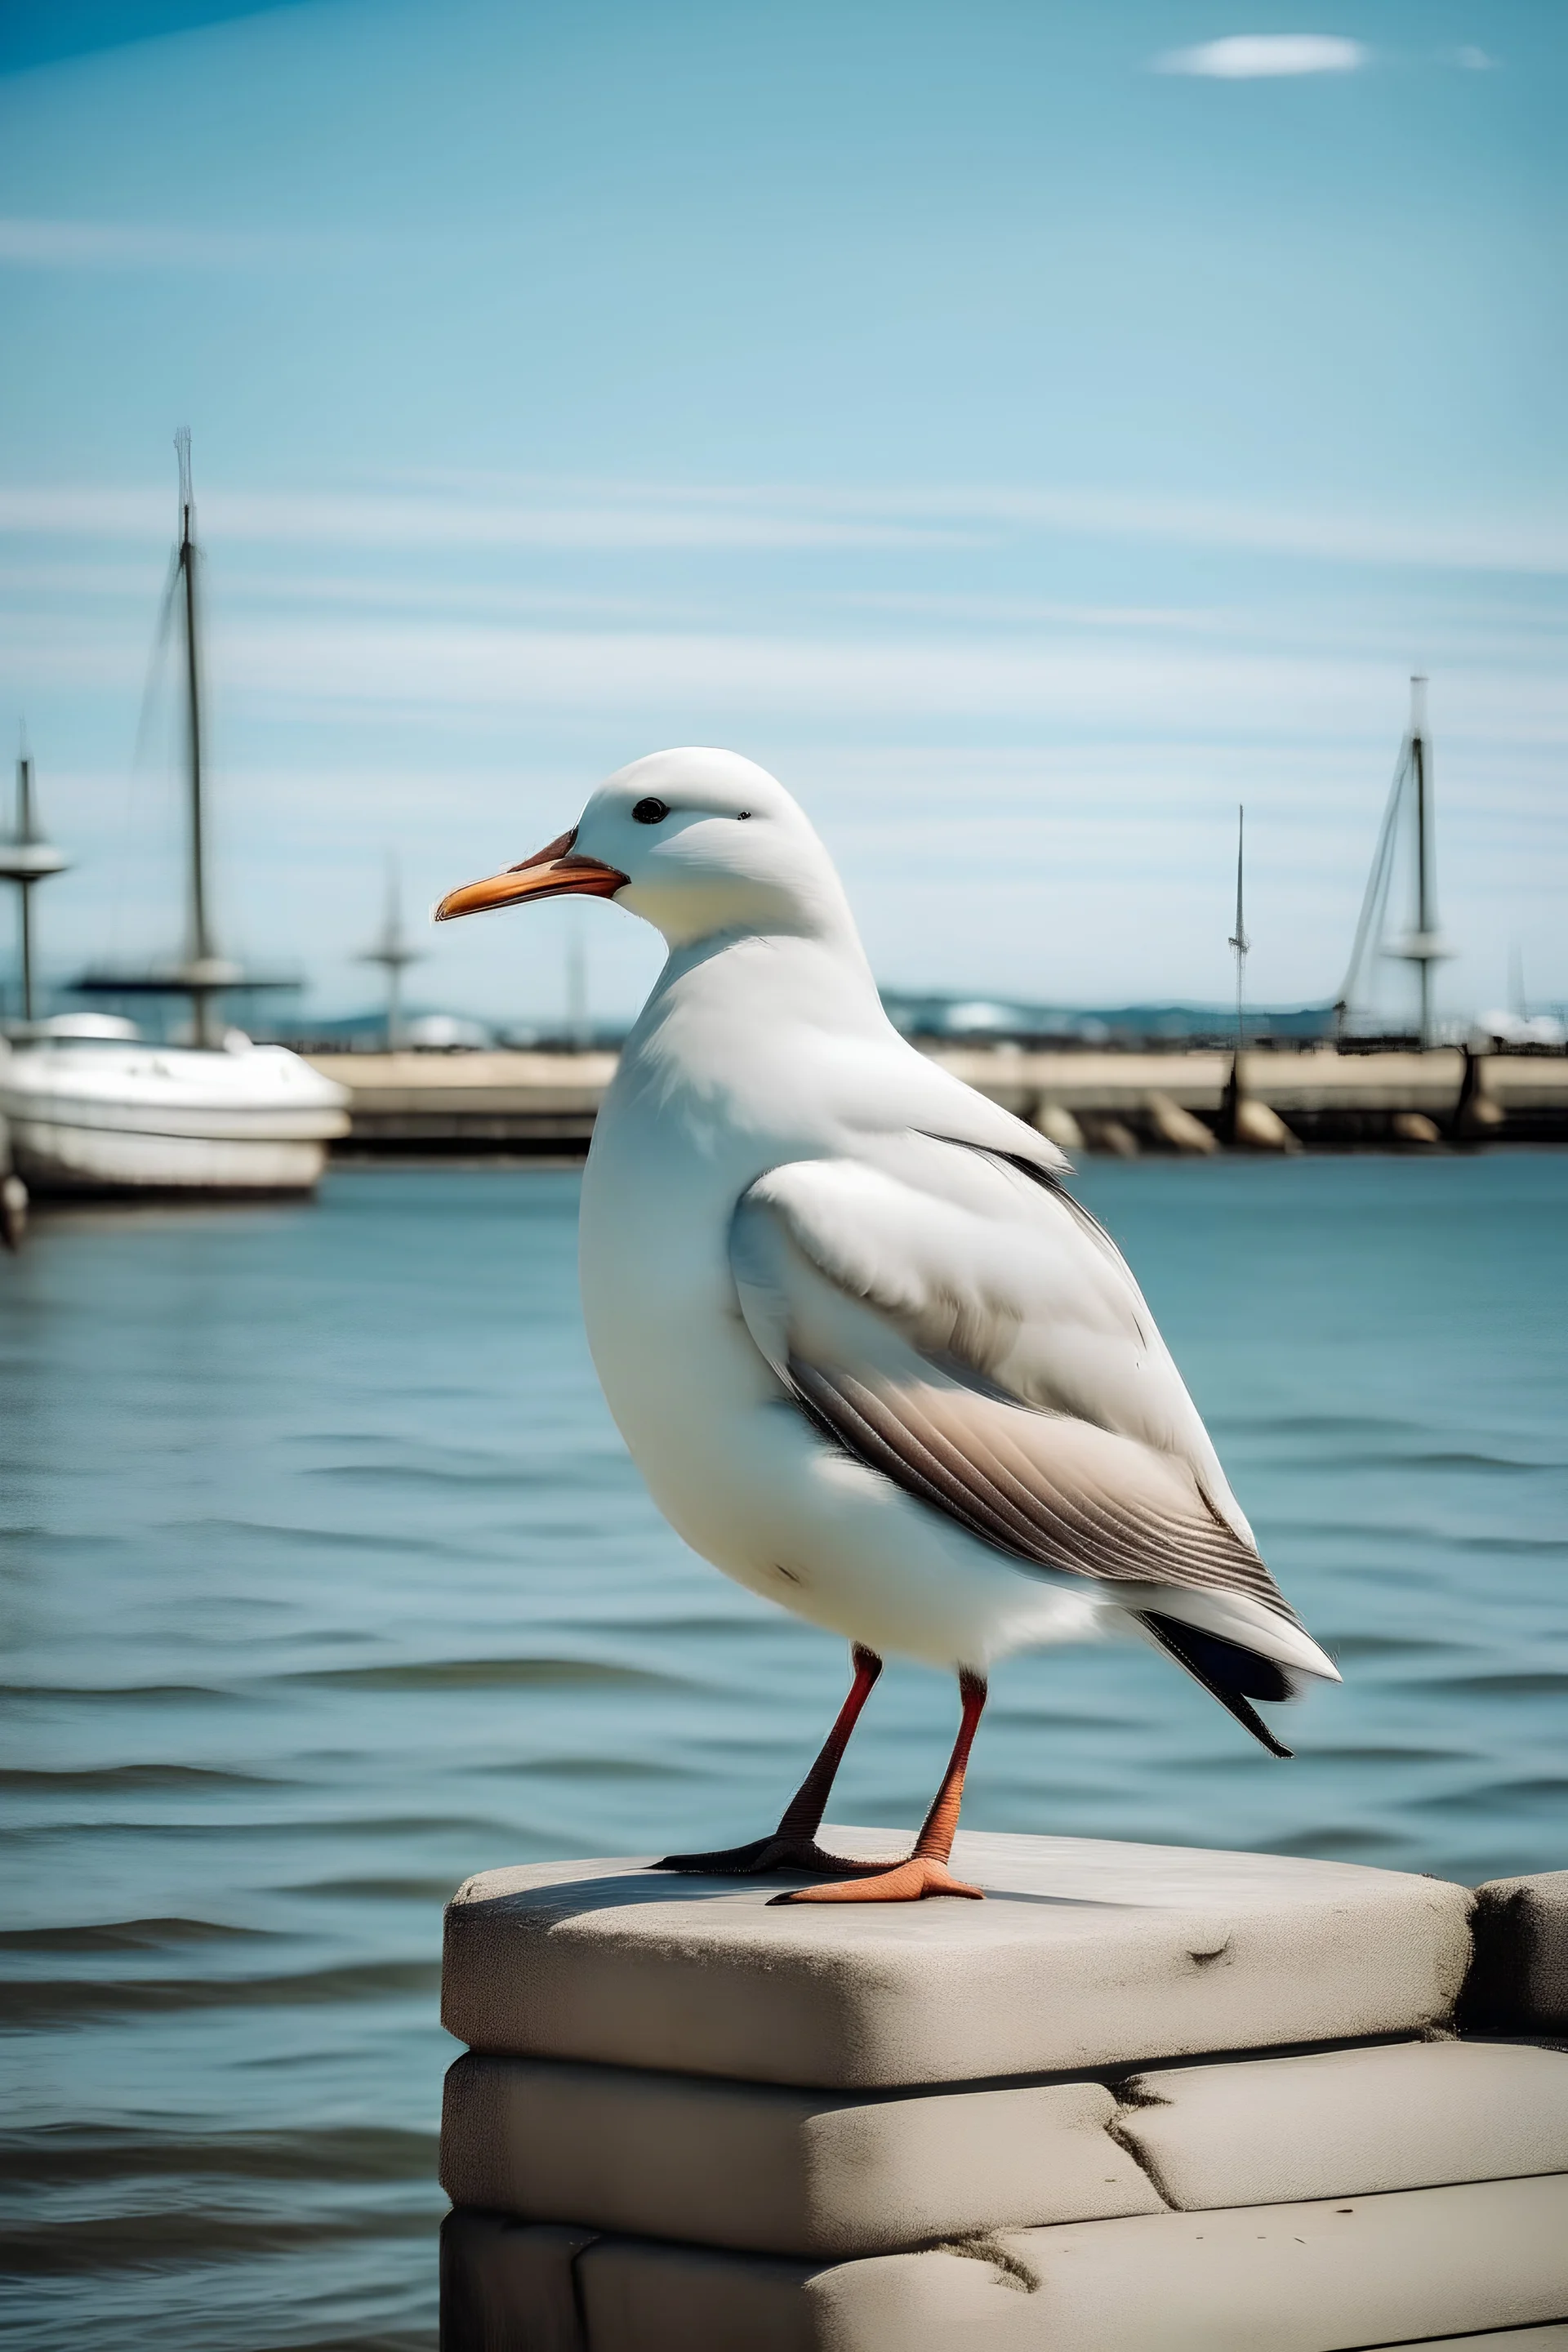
1031, 431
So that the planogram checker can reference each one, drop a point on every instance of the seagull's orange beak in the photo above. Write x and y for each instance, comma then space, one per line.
550, 873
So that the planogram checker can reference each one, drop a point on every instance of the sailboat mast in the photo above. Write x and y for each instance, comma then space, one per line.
393, 954
1239, 941
1426, 915
25, 840
394, 992
201, 946
1422, 945
27, 860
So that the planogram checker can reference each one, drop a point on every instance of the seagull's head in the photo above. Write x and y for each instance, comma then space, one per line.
697, 842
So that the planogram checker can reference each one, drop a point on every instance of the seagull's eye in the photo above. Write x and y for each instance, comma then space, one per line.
650, 811
742, 815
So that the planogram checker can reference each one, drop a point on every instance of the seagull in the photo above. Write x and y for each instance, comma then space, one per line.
873, 1358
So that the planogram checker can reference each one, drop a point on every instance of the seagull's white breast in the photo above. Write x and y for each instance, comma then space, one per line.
719, 1083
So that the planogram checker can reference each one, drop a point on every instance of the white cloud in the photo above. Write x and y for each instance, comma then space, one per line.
1472, 60
68, 513
1258, 57
373, 520
761, 519
320, 670
1024, 611
1529, 543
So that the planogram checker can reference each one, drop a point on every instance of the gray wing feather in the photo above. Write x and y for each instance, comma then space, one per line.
1037, 1485
885, 1299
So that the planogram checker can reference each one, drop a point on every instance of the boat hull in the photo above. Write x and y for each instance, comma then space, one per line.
123, 1118
52, 1157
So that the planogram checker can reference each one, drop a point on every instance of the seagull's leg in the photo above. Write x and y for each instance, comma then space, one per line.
926, 1871
793, 1845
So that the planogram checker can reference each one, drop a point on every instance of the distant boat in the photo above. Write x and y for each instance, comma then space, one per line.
1409, 816
92, 1107
394, 951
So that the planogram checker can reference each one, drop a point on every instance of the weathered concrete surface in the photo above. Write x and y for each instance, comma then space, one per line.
471, 1102
1297, 1085
1518, 1981
1318, 2277
510, 2288
760, 2169
1088, 1953
1348, 2122
1553, 2337
547, 1102
770, 2170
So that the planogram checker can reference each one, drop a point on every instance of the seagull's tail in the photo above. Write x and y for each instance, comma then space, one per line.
1231, 1674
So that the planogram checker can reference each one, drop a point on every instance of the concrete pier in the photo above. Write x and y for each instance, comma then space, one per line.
544, 1103
461, 1103
1144, 2099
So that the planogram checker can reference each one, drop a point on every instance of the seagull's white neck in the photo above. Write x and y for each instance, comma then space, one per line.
753, 1020
798, 895
808, 975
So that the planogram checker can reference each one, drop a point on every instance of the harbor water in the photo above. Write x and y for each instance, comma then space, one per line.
325, 1581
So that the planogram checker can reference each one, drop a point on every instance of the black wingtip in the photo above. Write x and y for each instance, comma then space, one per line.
1226, 1671
1248, 1714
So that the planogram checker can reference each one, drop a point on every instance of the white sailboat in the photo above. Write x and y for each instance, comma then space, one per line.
91, 1107
1410, 816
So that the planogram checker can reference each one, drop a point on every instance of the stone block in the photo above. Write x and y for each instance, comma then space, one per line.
1519, 1979
1088, 1953
1348, 2121
507, 2288
1551, 2338
766, 2170
779, 2171
1415, 2266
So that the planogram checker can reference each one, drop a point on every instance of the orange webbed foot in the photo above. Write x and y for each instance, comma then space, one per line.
907, 1881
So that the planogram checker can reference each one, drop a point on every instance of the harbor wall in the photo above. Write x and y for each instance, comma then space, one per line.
541, 1103
1141, 2099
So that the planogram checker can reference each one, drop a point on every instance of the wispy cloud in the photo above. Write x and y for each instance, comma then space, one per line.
1025, 612
1482, 626
27, 244
640, 518
351, 520
318, 668
911, 681
1261, 56
1499, 542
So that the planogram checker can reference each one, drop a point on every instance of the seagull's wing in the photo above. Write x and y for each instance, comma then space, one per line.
955, 1319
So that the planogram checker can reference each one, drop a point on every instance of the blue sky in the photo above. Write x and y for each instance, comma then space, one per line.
1028, 429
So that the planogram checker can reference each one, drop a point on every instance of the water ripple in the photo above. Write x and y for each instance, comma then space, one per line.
487, 1674
326, 1582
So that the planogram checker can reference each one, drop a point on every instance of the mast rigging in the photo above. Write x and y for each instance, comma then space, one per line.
27, 859
1411, 804
1238, 940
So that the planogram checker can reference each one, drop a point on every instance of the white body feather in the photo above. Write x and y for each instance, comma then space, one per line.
902, 1245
